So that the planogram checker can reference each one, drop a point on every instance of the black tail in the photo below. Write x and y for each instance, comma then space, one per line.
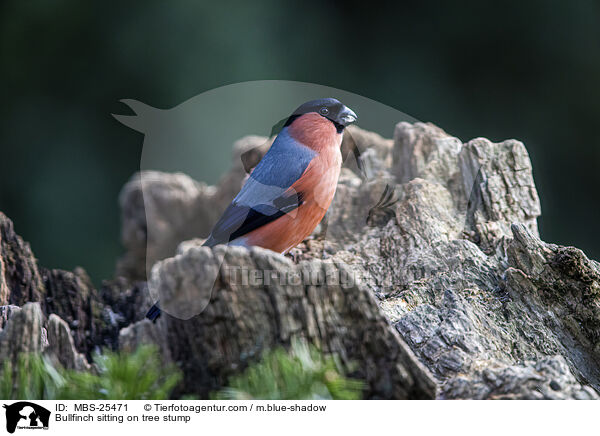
153, 313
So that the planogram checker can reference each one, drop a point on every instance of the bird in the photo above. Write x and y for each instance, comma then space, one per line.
288, 193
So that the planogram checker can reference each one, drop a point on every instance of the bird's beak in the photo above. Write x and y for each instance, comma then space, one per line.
346, 116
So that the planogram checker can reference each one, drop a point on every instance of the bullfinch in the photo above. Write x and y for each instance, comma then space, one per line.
289, 191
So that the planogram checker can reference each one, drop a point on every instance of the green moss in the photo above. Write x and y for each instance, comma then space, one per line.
302, 373
119, 376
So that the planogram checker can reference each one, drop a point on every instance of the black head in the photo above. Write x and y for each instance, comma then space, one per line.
329, 108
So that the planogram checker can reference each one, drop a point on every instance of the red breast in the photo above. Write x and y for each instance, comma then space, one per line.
317, 184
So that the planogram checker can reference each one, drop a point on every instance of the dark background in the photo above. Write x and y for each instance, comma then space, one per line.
511, 69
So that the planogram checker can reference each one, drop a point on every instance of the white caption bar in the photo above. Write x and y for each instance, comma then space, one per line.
298, 417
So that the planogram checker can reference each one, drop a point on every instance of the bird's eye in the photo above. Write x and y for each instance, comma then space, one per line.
324, 111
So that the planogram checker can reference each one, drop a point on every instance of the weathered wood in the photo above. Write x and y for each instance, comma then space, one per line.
454, 292
245, 317
20, 280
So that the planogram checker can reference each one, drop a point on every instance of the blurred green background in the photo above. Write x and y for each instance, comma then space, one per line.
512, 69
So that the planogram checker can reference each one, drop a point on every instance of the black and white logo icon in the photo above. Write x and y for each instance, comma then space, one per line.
26, 415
